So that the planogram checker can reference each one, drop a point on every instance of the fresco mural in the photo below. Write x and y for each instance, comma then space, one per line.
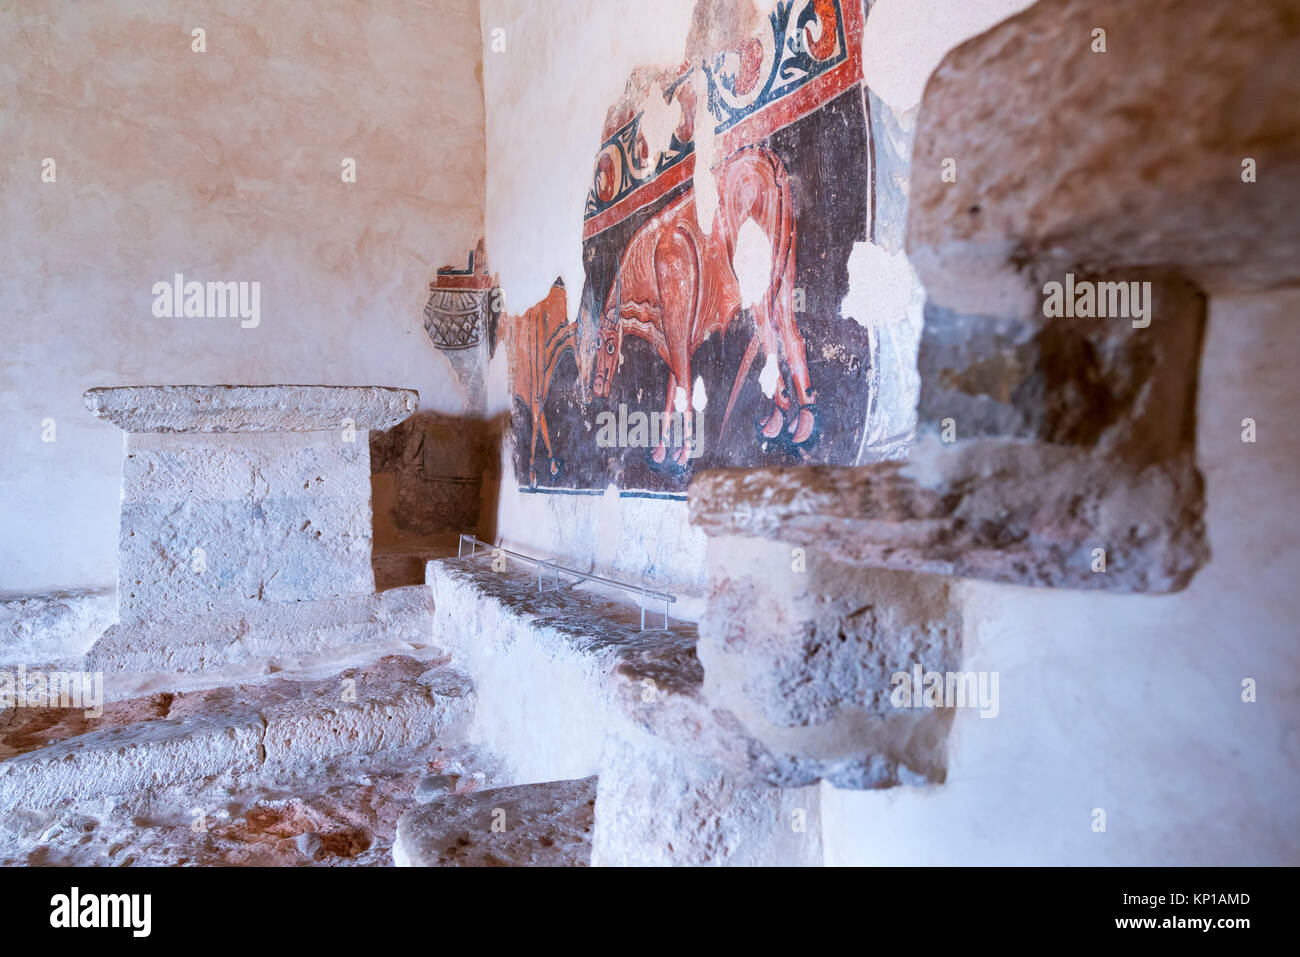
460, 323
710, 323
538, 341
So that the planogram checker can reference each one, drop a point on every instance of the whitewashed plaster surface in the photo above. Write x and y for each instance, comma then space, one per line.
223, 166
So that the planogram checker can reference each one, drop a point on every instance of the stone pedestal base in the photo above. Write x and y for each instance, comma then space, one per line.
246, 523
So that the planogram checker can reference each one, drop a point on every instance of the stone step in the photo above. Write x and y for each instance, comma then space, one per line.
53, 626
283, 632
393, 705
539, 825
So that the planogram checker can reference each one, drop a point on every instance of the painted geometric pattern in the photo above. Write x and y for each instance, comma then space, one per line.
806, 40
454, 318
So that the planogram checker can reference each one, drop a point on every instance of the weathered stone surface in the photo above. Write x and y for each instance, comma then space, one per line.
244, 730
656, 806
351, 806
1140, 165
1039, 441
212, 523
122, 759
251, 408
267, 631
598, 663
1100, 383
803, 649
507, 636
539, 825
1001, 511
41, 628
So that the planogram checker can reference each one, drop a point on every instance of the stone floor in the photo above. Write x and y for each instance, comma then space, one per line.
538, 825
295, 770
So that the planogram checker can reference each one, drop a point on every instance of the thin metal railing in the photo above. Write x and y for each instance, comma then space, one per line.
542, 564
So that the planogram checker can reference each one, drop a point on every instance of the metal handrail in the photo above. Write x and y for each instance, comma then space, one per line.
542, 564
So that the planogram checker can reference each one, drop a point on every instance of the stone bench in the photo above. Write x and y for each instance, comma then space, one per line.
569, 686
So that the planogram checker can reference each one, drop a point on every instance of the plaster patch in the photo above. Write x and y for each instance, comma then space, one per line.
609, 523
699, 398
752, 262
706, 154
770, 376
658, 121
883, 288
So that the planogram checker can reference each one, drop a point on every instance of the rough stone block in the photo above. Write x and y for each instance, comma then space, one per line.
553, 669
802, 649
394, 705
656, 806
541, 661
1141, 164
1000, 511
211, 523
1127, 391
42, 628
153, 754
245, 513
286, 632
536, 825
1039, 442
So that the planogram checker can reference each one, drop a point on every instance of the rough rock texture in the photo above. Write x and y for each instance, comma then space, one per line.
304, 810
338, 814
248, 533
656, 806
803, 649
597, 663
281, 632
507, 635
1100, 383
53, 627
1140, 164
1051, 509
395, 705
566, 680
251, 408
539, 825
1039, 441
213, 523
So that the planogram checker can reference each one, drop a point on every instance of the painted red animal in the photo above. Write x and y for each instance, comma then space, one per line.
536, 341
677, 286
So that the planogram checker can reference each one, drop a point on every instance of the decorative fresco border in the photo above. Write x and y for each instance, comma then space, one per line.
796, 83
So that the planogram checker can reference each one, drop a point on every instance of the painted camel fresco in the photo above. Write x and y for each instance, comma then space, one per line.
676, 286
537, 341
